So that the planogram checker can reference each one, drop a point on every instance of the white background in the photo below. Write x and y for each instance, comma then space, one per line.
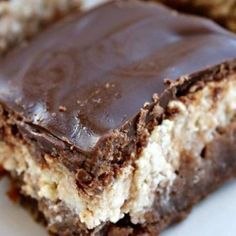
215, 216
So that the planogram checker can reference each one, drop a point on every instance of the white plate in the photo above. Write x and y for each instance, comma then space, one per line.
215, 216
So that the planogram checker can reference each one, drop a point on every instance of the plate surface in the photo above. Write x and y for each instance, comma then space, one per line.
213, 216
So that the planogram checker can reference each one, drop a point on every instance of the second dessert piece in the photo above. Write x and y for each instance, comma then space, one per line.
21, 19
117, 121
222, 11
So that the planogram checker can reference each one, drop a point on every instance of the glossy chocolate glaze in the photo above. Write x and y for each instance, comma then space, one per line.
90, 74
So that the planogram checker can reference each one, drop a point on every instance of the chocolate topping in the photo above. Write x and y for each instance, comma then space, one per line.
90, 74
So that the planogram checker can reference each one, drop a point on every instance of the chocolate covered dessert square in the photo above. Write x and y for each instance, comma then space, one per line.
118, 120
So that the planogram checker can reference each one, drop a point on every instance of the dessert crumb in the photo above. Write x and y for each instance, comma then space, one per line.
62, 108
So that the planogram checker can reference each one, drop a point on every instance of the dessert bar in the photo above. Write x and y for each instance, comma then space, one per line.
118, 120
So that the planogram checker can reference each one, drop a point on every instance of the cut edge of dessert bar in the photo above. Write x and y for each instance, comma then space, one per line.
179, 158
